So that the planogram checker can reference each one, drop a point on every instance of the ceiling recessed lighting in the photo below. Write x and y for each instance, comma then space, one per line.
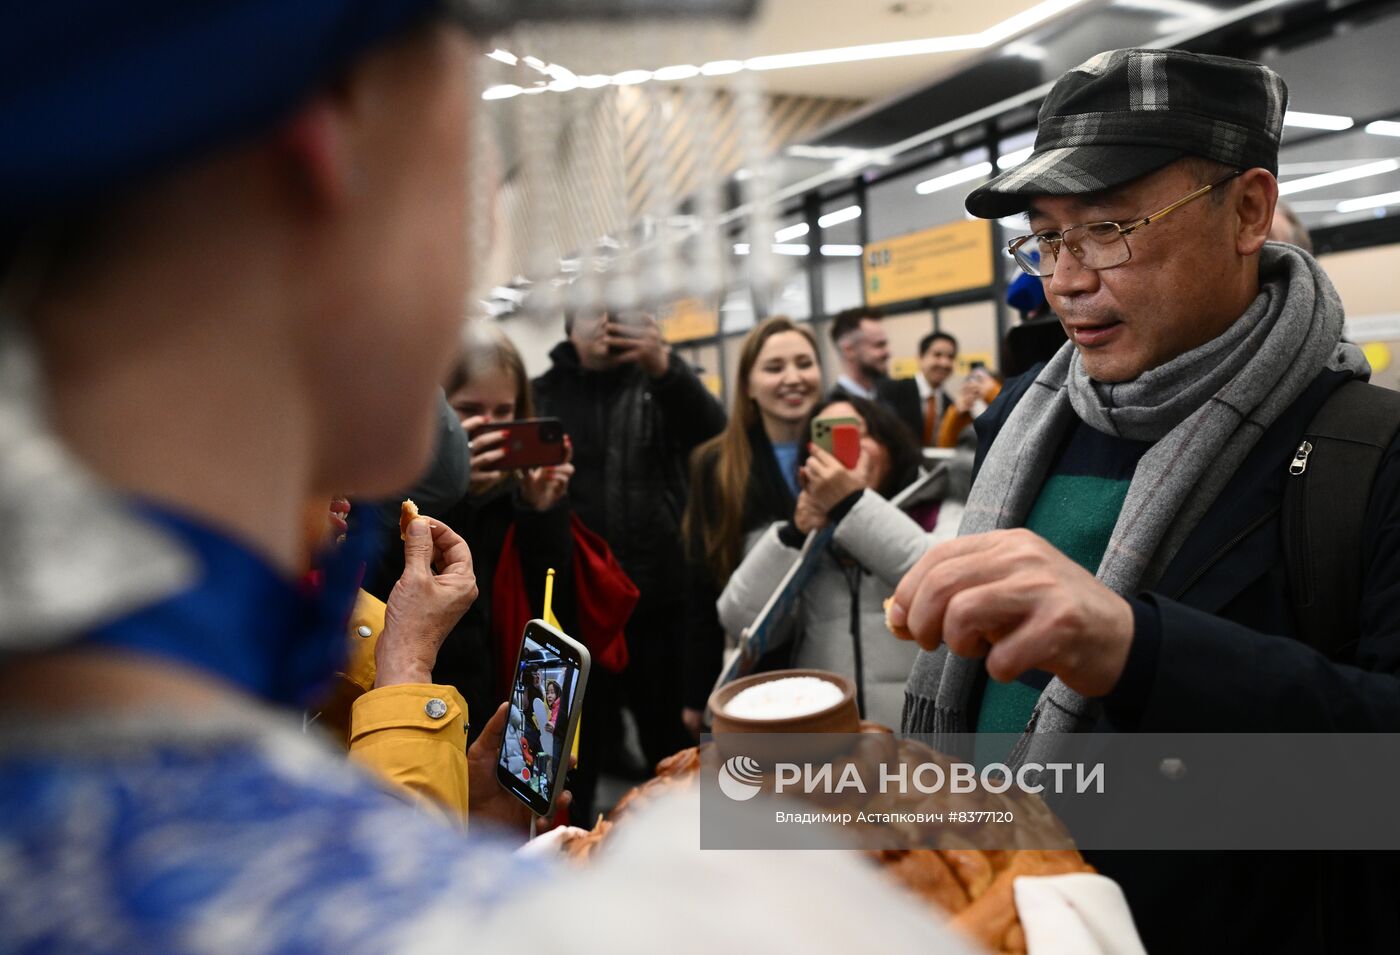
631, 77
796, 231
670, 74
1369, 202
867, 51
787, 249
841, 250
1317, 120
504, 56
721, 67
1014, 158
968, 174
1341, 175
1180, 11
1026, 51
839, 216
870, 51
504, 91
1383, 127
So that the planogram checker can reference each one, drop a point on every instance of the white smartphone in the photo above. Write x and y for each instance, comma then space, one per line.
551, 673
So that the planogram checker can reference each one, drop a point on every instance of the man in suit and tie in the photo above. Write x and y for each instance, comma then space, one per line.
921, 401
862, 351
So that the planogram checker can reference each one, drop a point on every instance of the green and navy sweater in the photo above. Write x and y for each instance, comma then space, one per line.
1076, 511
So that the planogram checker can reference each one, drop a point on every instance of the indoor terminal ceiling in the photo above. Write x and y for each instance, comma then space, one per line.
790, 26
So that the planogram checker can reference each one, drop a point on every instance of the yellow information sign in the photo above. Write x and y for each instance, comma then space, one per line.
689, 319
949, 258
904, 367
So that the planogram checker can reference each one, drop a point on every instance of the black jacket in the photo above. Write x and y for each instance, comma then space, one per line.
902, 396
1219, 651
767, 499
632, 437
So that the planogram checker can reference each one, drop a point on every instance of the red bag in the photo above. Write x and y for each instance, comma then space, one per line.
605, 594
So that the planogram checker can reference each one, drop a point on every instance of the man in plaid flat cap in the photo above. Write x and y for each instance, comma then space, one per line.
1123, 564
234, 247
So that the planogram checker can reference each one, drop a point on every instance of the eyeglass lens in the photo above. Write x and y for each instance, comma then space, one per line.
1097, 245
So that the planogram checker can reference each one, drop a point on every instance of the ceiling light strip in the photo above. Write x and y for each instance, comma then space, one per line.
1317, 120
938, 183
847, 54
1341, 175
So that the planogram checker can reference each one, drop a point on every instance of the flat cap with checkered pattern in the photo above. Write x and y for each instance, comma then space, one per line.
1125, 113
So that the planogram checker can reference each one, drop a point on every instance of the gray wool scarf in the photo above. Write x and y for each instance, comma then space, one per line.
1204, 410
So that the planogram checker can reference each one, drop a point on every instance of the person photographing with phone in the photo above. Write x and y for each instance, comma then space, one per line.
743, 480
979, 389
634, 412
840, 618
487, 386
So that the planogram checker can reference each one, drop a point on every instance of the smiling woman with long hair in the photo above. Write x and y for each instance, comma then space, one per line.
742, 480
877, 536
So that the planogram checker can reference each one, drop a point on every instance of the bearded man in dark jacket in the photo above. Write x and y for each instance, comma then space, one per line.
634, 412
1123, 565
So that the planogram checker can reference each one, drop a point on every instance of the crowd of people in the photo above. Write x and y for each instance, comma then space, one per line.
204, 466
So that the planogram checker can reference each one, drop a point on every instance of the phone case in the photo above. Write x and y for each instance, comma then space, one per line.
530, 443
825, 436
532, 800
845, 445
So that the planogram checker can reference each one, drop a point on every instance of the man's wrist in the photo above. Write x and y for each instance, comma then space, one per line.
395, 672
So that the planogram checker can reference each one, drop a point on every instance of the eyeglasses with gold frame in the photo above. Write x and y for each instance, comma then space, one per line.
1097, 245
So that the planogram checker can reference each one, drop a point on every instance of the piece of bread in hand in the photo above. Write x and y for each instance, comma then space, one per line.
900, 632
408, 512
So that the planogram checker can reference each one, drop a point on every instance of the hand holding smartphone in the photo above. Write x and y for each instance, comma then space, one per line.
528, 443
551, 673
838, 437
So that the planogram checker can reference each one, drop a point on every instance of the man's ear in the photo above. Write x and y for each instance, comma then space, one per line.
316, 147
1254, 209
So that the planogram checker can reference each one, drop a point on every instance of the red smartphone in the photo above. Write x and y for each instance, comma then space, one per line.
845, 445
839, 437
529, 443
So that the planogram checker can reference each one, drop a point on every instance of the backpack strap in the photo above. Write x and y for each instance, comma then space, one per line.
1324, 511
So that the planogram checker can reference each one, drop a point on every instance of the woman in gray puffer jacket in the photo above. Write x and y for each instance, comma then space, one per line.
878, 536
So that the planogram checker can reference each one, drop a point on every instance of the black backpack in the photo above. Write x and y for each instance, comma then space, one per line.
1324, 511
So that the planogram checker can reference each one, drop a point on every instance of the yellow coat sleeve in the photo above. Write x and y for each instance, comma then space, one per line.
415, 735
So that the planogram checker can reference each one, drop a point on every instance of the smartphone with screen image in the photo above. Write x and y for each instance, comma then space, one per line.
551, 673
529, 443
838, 437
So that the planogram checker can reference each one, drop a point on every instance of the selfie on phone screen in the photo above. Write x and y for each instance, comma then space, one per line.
544, 700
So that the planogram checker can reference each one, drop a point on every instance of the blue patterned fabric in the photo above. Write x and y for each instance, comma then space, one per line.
218, 841
244, 622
